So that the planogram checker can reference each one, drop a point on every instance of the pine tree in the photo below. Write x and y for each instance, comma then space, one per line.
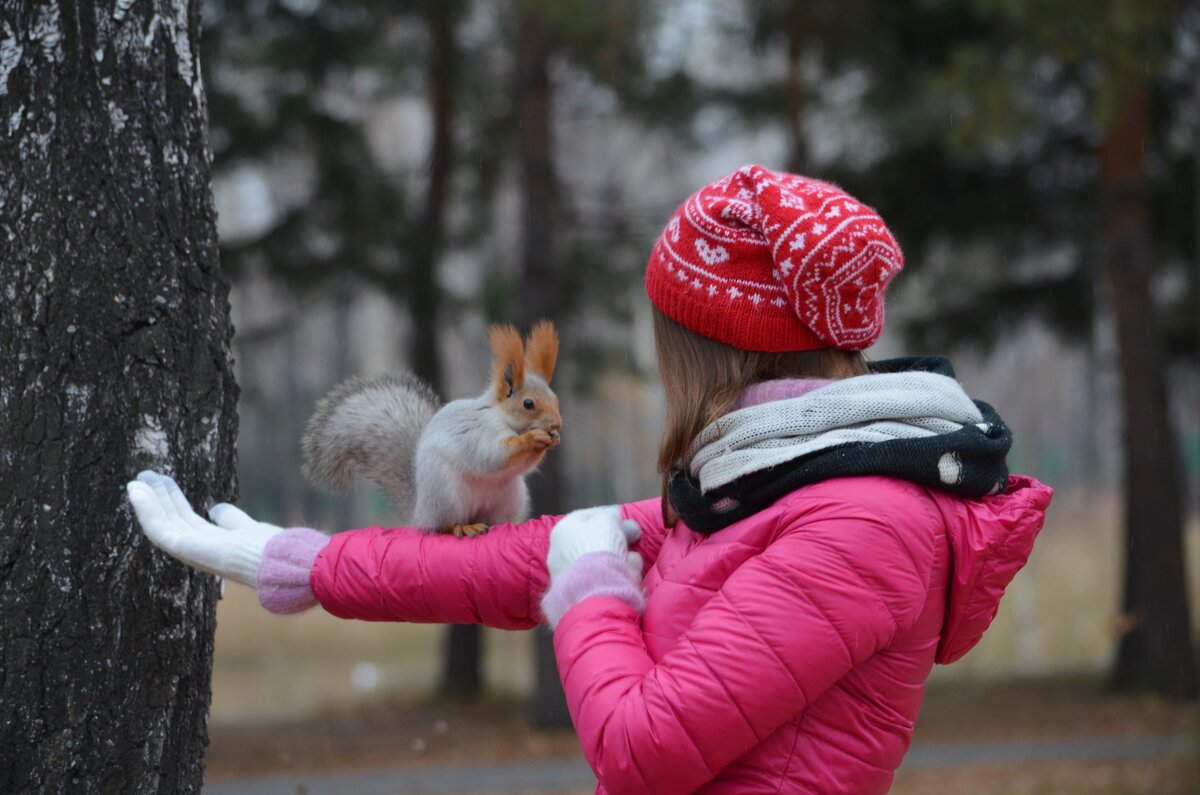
1054, 128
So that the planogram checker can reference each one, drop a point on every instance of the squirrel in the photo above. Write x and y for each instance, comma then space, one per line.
455, 468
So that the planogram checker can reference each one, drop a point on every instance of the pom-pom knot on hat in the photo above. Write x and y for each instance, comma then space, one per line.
768, 261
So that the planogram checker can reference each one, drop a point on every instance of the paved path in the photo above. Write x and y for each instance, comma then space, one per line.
571, 773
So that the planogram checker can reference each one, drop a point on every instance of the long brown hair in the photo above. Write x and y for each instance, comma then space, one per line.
703, 378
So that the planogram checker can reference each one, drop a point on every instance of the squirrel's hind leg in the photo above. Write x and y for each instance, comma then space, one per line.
468, 530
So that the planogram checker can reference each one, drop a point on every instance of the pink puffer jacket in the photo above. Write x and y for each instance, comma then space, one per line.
785, 653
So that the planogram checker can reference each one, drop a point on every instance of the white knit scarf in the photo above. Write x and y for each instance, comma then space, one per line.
864, 409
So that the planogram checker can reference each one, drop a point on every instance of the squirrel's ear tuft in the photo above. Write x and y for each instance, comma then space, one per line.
508, 360
541, 349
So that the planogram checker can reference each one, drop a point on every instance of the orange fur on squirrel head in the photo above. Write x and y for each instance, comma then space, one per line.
541, 349
510, 358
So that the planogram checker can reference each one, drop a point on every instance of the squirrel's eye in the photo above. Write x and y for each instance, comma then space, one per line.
528, 404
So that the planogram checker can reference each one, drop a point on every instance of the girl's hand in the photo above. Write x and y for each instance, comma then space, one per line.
593, 530
232, 548
589, 556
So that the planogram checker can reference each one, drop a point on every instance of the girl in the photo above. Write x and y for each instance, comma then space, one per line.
827, 531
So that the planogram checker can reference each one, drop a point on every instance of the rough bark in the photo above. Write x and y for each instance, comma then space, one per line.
115, 331
1156, 649
540, 295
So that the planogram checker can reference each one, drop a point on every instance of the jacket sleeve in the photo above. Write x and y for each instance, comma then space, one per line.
836, 585
648, 515
496, 579
402, 574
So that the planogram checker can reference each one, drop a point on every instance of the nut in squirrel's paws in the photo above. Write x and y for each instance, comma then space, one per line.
468, 530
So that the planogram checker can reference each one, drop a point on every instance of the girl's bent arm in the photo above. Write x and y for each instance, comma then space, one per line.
782, 630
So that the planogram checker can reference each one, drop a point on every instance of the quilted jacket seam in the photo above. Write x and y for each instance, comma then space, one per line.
925, 575
993, 550
699, 752
533, 601
822, 609
869, 586
422, 577
771, 649
826, 503
997, 550
473, 591
728, 694
838, 687
787, 766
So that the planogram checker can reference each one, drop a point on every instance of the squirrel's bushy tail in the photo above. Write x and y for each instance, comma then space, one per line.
369, 427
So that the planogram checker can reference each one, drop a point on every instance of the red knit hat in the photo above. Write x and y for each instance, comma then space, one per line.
767, 261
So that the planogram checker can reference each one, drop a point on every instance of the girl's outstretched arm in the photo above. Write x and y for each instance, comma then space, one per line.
376, 574
402, 574
496, 579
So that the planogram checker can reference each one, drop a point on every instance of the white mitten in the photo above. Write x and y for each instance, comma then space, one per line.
593, 530
233, 547
589, 556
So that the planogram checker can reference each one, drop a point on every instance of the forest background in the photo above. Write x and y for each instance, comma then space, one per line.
387, 178
391, 177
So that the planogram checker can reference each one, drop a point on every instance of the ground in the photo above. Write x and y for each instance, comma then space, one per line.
398, 734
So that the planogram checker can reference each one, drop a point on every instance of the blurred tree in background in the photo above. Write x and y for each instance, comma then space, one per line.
1108, 71
315, 71
1024, 156
293, 84
1064, 107
1037, 162
603, 43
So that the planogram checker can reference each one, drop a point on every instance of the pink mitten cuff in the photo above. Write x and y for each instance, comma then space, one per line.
593, 574
283, 574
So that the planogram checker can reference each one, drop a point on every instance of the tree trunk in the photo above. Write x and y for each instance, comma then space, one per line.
1156, 650
795, 92
540, 294
421, 288
116, 335
462, 660
1196, 221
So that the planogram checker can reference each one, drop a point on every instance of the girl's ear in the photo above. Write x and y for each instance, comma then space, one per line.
508, 360
541, 349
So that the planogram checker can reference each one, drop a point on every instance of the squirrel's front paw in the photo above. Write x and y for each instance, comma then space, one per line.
528, 448
543, 440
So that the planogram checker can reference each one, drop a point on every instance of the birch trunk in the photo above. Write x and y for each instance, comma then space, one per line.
115, 331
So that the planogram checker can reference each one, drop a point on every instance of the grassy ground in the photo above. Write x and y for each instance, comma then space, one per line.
1147, 777
397, 734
